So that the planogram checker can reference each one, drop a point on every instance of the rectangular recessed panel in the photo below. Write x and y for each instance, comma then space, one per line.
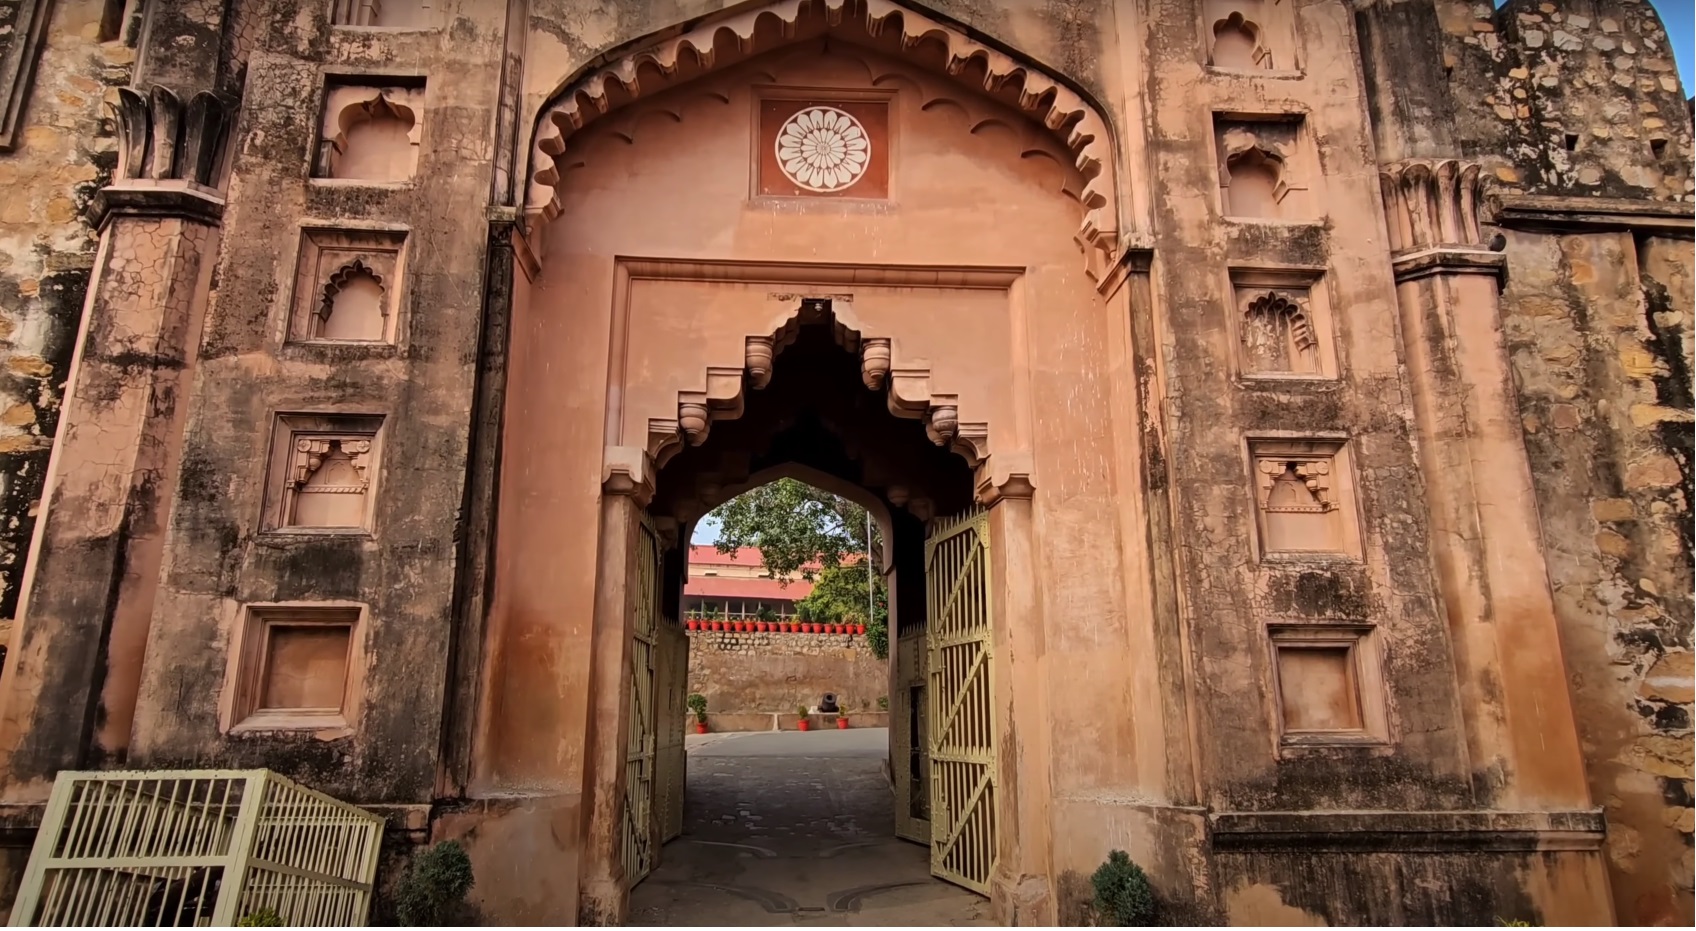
1317, 688
305, 666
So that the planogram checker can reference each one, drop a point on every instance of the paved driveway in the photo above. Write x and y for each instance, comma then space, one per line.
795, 829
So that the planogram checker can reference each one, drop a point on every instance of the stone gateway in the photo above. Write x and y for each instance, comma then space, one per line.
1278, 414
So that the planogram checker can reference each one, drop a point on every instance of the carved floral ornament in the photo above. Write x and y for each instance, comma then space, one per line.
710, 46
1278, 304
1296, 487
823, 149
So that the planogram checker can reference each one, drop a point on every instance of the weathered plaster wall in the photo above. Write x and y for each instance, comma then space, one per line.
779, 672
1598, 326
1582, 99
220, 555
65, 152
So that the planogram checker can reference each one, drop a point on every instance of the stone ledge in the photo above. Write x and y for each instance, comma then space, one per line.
1407, 831
1550, 213
133, 198
1448, 260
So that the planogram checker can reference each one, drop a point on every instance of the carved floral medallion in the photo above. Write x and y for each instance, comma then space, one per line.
823, 149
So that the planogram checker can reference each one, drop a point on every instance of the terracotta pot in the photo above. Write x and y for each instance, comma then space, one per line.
803, 725
841, 722
700, 727
718, 625
738, 627
786, 627
694, 624
859, 628
816, 627
761, 626
839, 628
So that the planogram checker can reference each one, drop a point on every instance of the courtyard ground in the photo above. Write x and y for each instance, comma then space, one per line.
789, 828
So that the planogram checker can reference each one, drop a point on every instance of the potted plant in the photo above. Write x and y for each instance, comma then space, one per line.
859, 628
694, 623
698, 704
802, 724
718, 624
842, 720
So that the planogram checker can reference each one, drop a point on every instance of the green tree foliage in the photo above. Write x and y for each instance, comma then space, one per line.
432, 891
1123, 895
794, 524
263, 918
698, 704
839, 597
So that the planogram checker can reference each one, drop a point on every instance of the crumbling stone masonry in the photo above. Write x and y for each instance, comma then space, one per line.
1278, 412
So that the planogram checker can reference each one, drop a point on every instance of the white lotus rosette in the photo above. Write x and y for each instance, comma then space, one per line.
823, 149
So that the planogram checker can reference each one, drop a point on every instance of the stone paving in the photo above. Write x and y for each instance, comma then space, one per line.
795, 829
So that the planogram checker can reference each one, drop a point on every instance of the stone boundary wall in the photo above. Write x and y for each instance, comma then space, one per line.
732, 722
778, 672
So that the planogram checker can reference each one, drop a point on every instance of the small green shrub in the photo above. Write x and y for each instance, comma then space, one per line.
264, 918
883, 703
434, 886
1123, 895
698, 704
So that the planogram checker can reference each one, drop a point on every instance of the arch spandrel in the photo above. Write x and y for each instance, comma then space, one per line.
673, 59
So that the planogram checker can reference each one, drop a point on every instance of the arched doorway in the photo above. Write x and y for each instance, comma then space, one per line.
680, 251
828, 844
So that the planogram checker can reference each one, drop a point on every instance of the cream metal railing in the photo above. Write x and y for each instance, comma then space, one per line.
197, 847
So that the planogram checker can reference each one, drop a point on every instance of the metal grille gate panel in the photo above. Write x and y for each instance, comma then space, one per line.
962, 738
640, 745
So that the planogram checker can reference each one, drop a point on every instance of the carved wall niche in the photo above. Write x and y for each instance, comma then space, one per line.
369, 132
1264, 167
1304, 497
347, 286
1283, 324
387, 14
1328, 685
1250, 35
295, 666
323, 473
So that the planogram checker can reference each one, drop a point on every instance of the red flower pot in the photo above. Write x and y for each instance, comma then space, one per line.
841, 722
718, 625
838, 628
694, 624
700, 727
803, 725
859, 628
816, 627
785, 627
761, 626
738, 627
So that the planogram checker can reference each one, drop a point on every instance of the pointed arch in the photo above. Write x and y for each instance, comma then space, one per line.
669, 58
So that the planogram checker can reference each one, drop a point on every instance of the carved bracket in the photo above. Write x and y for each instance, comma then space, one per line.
161, 138
909, 390
1432, 202
706, 47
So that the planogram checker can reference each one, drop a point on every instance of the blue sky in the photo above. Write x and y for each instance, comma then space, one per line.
1680, 19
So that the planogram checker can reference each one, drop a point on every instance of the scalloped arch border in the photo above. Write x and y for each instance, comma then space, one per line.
1075, 121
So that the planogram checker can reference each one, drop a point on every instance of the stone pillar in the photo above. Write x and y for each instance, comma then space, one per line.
1493, 579
1022, 887
70, 690
626, 489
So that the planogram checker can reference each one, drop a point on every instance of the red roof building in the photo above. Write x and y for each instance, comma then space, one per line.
735, 585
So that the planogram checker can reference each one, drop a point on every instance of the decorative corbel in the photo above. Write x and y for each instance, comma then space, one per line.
874, 362
1006, 476
757, 357
628, 471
